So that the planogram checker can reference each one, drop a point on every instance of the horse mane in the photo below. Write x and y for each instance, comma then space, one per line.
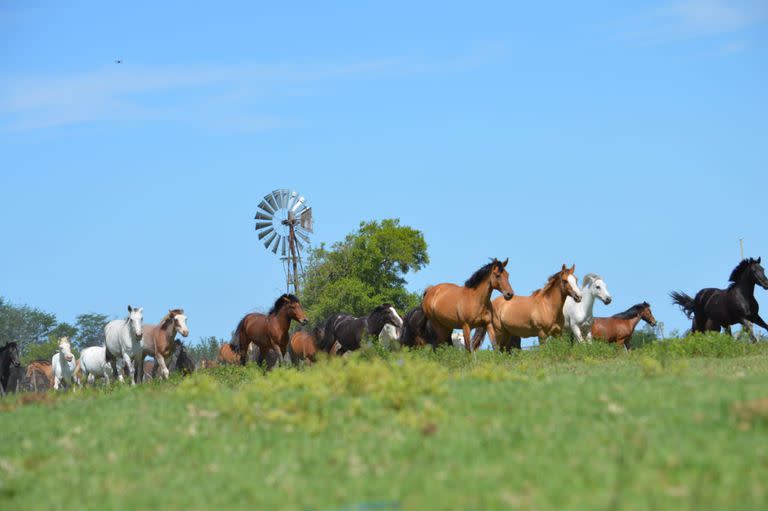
280, 302
550, 282
169, 317
481, 274
632, 312
740, 268
590, 277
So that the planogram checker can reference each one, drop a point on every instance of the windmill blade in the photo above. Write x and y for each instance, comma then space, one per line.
266, 207
283, 197
276, 246
298, 203
270, 239
263, 216
283, 251
272, 202
302, 236
292, 198
261, 225
265, 233
299, 246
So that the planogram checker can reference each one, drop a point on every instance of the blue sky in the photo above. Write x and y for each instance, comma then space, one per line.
629, 138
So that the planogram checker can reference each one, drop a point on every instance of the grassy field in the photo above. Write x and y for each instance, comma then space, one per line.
680, 424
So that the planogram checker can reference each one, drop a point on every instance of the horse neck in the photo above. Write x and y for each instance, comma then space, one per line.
482, 292
281, 319
555, 296
587, 300
368, 325
634, 321
746, 285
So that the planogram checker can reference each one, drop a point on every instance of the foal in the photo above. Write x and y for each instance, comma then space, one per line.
620, 327
158, 342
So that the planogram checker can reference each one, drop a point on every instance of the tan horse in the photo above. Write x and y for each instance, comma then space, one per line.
229, 354
40, 368
539, 315
448, 306
620, 327
157, 342
269, 332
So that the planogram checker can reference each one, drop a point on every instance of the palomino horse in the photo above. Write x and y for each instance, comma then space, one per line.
9, 363
448, 306
123, 341
303, 346
63, 364
348, 330
269, 332
713, 309
159, 342
619, 327
41, 368
539, 315
578, 315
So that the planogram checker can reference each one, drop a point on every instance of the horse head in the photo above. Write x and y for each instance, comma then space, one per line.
646, 314
136, 321
596, 284
382, 315
292, 307
500, 279
13, 353
569, 284
65, 349
179, 321
758, 273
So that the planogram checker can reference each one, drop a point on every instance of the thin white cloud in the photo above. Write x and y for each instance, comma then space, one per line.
691, 19
212, 95
734, 47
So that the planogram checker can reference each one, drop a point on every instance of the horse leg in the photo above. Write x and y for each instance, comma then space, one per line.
747, 325
127, 363
56, 382
468, 344
244, 353
757, 320
160, 359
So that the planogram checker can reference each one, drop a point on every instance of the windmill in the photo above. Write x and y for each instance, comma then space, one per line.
283, 224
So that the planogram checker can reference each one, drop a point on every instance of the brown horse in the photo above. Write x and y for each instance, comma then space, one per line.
158, 342
229, 354
448, 306
303, 346
539, 315
269, 332
41, 369
620, 327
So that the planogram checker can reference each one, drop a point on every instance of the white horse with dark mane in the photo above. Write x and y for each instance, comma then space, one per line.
578, 315
123, 341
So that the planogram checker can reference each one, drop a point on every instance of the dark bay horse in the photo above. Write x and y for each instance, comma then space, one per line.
183, 362
269, 332
348, 330
448, 306
9, 364
712, 308
620, 327
538, 315
417, 331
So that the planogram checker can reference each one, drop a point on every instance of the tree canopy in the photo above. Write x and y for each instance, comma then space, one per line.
364, 270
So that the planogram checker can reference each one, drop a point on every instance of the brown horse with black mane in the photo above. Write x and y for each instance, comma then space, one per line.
620, 327
539, 315
269, 332
448, 306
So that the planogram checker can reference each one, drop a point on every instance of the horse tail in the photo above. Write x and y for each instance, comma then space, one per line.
686, 303
479, 335
237, 336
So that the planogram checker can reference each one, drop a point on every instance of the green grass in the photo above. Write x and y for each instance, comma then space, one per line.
674, 425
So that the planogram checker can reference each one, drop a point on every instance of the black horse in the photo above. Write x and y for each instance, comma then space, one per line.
713, 309
348, 330
9, 364
184, 363
417, 330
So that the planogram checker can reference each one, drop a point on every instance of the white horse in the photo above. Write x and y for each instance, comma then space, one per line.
578, 316
389, 337
93, 362
457, 340
63, 364
123, 341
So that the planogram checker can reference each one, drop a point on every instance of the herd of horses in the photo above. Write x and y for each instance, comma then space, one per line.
559, 307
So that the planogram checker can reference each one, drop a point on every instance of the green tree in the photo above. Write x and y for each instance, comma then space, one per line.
366, 269
207, 348
90, 330
23, 324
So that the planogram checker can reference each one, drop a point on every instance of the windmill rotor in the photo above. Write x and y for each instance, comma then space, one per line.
283, 225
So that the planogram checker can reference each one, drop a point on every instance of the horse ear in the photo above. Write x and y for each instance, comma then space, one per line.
563, 268
759, 259
130, 309
573, 268
504, 264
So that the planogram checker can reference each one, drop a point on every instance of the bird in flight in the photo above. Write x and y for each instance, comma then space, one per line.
119, 61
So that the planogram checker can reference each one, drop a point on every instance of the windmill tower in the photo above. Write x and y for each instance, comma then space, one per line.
283, 224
